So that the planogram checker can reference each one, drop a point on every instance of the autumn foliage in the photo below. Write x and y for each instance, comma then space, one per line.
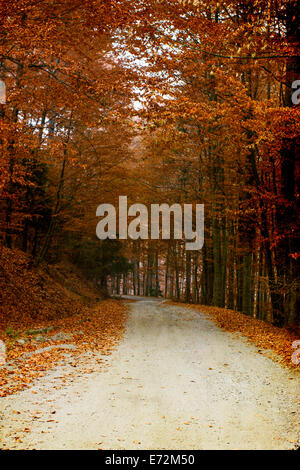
35, 301
277, 342
165, 102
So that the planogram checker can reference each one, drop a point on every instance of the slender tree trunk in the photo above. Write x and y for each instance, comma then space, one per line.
188, 277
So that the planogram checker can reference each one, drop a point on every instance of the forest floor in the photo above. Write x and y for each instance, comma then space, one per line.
49, 313
176, 380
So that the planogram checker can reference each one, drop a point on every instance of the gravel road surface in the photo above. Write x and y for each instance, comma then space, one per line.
176, 381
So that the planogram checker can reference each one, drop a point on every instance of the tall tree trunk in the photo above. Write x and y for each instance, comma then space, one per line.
188, 276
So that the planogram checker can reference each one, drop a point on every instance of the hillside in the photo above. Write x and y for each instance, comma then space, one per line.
45, 311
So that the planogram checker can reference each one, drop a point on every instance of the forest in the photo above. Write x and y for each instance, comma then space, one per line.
178, 102
149, 227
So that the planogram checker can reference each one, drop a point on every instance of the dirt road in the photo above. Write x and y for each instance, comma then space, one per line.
176, 381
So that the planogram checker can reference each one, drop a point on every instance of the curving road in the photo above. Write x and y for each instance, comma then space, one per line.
176, 381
